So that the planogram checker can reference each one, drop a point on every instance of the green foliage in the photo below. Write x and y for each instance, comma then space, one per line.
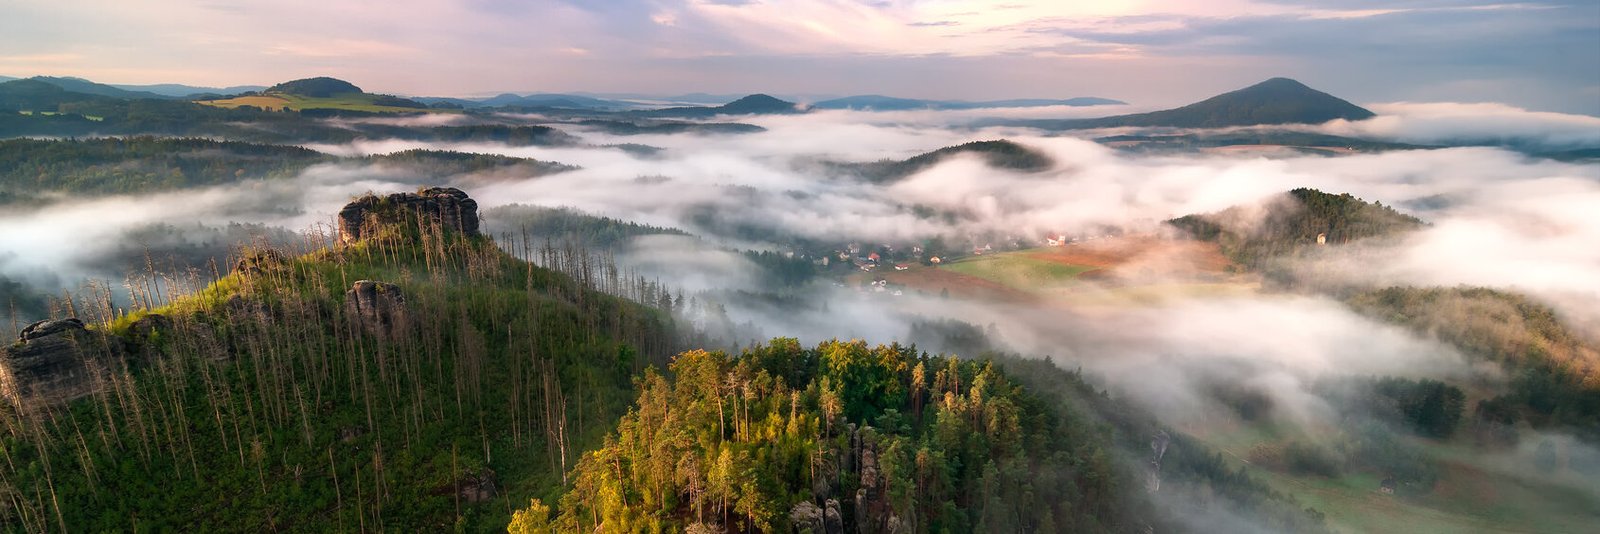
139, 164
1429, 407
928, 443
1554, 372
321, 86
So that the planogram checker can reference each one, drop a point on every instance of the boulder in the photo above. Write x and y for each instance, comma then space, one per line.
447, 206
806, 516
378, 308
53, 362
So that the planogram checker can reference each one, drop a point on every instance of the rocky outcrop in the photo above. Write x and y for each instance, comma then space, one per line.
806, 516
1158, 449
260, 261
478, 487
54, 362
447, 206
377, 308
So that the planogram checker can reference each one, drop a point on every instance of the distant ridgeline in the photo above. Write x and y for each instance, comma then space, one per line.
33, 170
411, 375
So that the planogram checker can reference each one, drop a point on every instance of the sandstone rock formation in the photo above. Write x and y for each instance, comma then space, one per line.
378, 308
260, 261
53, 362
447, 206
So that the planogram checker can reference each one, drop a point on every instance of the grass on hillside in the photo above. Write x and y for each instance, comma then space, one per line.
353, 102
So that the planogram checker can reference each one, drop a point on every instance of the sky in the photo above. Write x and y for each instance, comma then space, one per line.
1541, 55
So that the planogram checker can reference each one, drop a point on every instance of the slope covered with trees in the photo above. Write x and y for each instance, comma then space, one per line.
848, 437
1287, 225
283, 397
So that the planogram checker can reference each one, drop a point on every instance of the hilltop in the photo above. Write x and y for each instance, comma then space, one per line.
1275, 101
999, 154
321, 95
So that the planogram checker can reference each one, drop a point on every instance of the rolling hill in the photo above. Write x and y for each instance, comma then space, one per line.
321, 94
1275, 101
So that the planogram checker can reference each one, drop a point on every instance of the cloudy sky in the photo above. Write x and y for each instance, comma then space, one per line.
1540, 55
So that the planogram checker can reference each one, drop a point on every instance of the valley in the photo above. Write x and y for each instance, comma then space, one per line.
307, 306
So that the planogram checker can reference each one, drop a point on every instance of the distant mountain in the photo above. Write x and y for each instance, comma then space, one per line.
36, 95
1275, 101
7, 78
757, 104
319, 87
889, 103
80, 85
180, 90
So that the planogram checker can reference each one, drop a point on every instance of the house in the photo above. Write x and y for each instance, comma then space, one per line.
934, 260
873, 257
1055, 240
1322, 239
902, 266
1387, 486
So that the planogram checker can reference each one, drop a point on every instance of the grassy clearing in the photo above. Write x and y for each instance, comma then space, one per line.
1018, 271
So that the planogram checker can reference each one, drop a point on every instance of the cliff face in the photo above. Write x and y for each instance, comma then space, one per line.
446, 206
54, 362
379, 308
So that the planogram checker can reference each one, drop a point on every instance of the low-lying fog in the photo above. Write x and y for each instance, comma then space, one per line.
1497, 218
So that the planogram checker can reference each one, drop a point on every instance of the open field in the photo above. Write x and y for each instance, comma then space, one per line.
1112, 271
269, 103
1018, 270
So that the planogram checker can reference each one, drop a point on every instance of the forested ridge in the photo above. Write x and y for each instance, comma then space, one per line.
265, 402
36, 169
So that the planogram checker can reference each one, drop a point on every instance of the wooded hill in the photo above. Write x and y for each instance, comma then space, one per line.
847, 437
1554, 371
288, 395
34, 169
